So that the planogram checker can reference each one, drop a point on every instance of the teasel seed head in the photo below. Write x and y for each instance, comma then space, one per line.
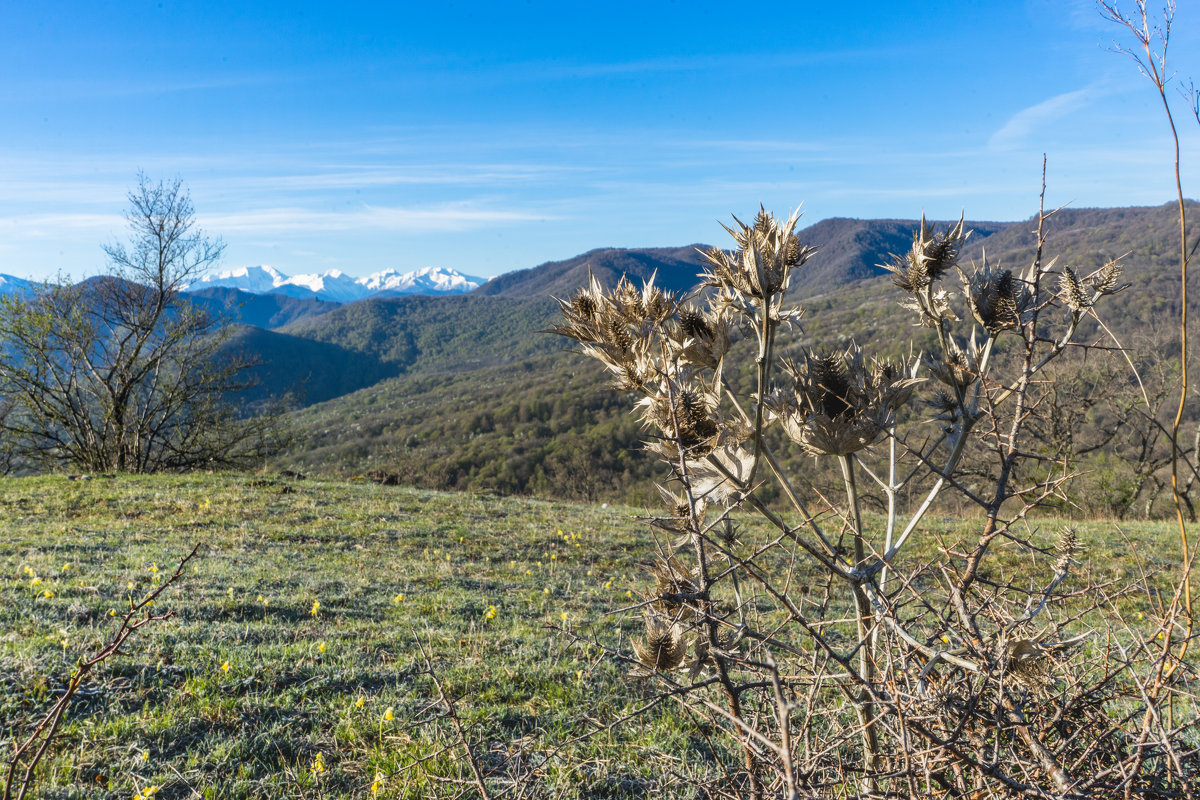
671, 578
1107, 279
1066, 548
663, 648
1071, 289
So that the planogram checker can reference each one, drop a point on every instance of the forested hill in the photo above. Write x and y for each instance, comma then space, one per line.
481, 399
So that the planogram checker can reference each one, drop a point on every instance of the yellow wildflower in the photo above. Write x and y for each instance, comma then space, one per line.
225, 667
389, 714
490, 613
563, 615
316, 606
359, 702
47, 594
398, 599
321, 647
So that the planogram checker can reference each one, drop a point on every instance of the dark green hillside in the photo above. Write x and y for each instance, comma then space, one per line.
261, 310
487, 402
434, 334
310, 371
544, 425
676, 269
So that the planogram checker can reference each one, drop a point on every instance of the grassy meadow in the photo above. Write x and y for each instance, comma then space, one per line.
296, 662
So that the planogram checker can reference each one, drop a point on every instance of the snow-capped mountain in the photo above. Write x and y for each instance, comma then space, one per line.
11, 284
429, 280
339, 287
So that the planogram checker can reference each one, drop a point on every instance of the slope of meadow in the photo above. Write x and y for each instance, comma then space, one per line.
237, 695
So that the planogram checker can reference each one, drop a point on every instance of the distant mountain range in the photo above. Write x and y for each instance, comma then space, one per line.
337, 287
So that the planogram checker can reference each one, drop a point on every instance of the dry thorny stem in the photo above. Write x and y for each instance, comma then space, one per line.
948, 673
28, 753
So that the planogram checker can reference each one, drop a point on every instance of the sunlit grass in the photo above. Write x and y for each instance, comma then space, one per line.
292, 665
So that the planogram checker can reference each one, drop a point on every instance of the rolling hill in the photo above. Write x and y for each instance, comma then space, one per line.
482, 400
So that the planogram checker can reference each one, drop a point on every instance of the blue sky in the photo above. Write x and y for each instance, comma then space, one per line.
493, 136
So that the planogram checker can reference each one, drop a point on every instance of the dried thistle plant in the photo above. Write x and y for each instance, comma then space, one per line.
898, 677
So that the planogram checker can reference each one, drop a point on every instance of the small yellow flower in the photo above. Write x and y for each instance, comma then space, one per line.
512, 563
112, 612
490, 613
389, 714
376, 786
563, 616
129, 586
66, 567
229, 592
608, 585
27, 570
318, 765
47, 594
261, 599
153, 567
398, 599
578, 675
359, 702
321, 647
316, 606
554, 556
36, 582
539, 563
225, 667
145, 793
629, 594
546, 590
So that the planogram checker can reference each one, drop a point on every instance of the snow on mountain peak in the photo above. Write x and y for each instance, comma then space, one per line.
339, 287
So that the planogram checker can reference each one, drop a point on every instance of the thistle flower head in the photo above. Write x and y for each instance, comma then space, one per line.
959, 366
700, 338
767, 253
838, 404
685, 413
999, 300
615, 327
1072, 292
930, 256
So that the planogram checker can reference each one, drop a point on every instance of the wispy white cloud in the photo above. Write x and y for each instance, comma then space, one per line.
1034, 120
35, 226
440, 218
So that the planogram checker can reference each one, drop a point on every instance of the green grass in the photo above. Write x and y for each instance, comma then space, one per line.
165, 712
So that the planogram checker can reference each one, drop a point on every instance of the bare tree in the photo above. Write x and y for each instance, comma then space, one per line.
120, 372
